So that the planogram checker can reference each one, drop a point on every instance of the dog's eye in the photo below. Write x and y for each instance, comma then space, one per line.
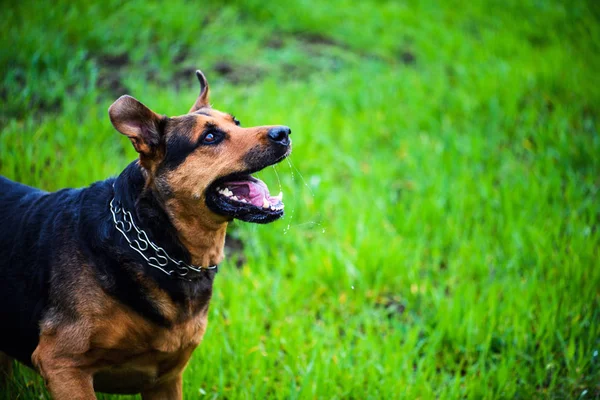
212, 135
209, 138
235, 120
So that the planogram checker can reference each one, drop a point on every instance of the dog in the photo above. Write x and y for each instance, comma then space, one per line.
107, 288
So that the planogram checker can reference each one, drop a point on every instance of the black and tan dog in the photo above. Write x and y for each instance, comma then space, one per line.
107, 288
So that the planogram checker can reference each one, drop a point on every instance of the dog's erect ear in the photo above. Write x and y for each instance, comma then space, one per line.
202, 100
136, 121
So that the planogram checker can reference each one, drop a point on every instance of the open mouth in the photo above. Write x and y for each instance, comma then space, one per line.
244, 197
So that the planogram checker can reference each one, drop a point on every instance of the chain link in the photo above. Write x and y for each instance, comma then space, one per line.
154, 255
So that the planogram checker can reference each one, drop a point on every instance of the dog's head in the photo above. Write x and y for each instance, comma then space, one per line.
202, 161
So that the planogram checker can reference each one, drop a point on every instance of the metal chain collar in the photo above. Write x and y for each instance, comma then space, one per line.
154, 255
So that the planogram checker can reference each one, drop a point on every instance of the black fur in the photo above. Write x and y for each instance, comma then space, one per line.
200, 112
258, 158
46, 239
180, 143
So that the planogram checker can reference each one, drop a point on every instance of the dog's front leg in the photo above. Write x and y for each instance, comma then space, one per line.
169, 390
64, 379
69, 384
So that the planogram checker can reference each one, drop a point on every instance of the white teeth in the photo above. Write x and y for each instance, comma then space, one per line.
226, 192
235, 198
266, 203
243, 200
279, 196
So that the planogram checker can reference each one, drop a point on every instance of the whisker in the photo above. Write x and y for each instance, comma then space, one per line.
301, 177
291, 218
286, 229
278, 180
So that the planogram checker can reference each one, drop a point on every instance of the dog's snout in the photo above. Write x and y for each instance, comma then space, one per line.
280, 135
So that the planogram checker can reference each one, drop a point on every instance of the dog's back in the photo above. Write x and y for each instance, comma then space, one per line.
29, 221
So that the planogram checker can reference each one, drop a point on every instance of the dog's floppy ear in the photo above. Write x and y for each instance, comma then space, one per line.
202, 100
136, 121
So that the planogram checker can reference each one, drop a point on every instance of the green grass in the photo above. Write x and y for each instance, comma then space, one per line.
442, 230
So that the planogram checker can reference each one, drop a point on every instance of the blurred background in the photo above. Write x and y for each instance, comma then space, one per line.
441, 231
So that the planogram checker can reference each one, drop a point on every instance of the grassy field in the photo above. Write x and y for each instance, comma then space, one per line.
441, 237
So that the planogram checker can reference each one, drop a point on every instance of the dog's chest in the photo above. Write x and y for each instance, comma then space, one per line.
131, 354
132, 377
140, 371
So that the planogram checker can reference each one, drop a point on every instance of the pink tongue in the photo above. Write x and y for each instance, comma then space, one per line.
252, 191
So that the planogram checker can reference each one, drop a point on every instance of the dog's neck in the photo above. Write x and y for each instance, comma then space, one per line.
203, 238
191, 237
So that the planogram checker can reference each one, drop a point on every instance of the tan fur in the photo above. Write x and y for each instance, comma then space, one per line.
115, 348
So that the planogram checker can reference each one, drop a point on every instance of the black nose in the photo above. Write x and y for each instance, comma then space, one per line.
280, 135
